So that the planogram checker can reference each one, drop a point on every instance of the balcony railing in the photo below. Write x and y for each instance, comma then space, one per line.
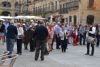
27, 12
72, 5
6, 8
63, 10
45, 10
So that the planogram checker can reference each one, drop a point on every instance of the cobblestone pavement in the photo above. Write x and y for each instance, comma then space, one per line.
74, 57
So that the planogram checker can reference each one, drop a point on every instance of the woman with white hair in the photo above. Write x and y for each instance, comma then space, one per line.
19, 38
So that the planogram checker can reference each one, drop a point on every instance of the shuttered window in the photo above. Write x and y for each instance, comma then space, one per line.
91, 2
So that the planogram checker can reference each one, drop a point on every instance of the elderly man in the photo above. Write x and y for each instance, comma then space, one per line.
81, 33
91, 33
40, 34
31, 33
57, 29
11, 36
67, 28
6, 23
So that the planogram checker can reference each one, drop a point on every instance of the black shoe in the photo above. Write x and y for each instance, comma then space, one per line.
80, 44
42, 59
46, 53
31, 50
26, 49
91, 55
35, 59
9, 56
58, 48
69, 43
52, 49
87, 54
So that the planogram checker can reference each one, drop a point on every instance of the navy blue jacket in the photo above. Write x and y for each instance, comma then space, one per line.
40, 33
12, 32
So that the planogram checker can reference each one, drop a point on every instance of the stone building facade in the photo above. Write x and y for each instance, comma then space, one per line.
71, 11
9, 7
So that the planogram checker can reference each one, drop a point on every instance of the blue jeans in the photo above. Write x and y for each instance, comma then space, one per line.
10, 45
5, 36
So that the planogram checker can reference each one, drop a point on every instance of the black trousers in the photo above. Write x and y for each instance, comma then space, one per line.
88, 48
53, 41
58, 41
64, 45
19, 45
40, 44
32, 45
81, 39
98, 41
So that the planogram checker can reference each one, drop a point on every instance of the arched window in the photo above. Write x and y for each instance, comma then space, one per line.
16, 5
75, 19
6, 4
70, 18
5, 13
16, 14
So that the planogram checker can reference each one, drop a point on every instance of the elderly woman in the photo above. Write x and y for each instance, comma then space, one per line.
64, 38
50, 38
26, 33
2, 28
19, 38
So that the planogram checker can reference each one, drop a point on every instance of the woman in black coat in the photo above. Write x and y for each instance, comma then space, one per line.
2, 28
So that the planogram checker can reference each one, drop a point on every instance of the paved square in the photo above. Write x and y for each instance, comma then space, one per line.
74, 57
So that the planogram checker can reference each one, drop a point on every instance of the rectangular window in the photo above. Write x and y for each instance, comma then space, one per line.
55, 5
43, 8
49, 7
91, 2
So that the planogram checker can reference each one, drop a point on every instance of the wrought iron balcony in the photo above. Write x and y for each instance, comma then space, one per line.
72, 5
45, 10
63, 10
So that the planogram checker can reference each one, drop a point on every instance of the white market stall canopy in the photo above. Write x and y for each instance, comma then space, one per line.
21, 17
29, 17
2, 19
6, 17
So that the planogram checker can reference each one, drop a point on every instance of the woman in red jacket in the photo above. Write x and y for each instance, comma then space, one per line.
75, 35
50, 37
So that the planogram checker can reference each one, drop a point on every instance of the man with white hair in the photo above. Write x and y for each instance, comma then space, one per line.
11, 36
32, 42
57, 30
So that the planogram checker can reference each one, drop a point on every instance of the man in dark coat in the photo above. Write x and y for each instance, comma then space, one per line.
41, 33
32, 42
11, 36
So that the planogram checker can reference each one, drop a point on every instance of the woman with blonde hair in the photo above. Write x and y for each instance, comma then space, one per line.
51, 34
20, 38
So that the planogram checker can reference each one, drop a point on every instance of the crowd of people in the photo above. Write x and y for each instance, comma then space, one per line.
41, 36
